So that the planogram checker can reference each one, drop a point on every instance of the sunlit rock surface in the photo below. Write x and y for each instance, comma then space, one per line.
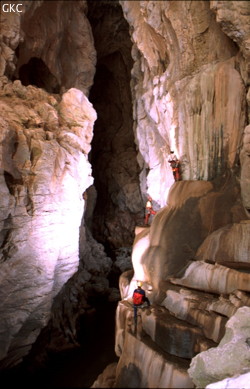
45, 141
230, 358
44, 172
188, 87
241, 381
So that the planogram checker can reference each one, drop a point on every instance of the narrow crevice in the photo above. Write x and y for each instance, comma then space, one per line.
35, 72
119, 207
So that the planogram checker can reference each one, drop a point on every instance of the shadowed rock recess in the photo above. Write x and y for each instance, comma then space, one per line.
93, 96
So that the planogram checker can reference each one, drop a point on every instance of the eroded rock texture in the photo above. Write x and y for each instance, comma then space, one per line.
189, 84
233, 350
191, 298
52, 33
187, 91
44, 171
45, 141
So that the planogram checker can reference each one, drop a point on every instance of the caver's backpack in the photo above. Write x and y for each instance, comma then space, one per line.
138, 297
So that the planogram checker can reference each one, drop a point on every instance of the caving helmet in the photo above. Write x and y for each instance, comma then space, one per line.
139, 284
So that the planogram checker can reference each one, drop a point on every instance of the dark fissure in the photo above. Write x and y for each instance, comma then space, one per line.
35, 72
113, 155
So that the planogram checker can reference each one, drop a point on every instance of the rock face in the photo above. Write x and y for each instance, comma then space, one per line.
45, 141
231, 383
228, 245
47, 44
233, 350
188, 88
245, 175
119, 204
188, 91
44, 171
191, 298
163, 256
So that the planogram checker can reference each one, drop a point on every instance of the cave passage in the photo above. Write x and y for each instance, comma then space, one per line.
36, 72
119, 206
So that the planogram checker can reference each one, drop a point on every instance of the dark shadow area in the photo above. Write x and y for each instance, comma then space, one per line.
130, 375
75, 368
118, 208
36, 72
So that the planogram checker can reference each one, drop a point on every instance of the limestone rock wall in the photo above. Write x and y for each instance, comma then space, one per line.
228, 244
245, 169
46, 45
217, 363
195, 273
45, 142
189, 88
190, 92
10, 38
44, 172
195, 209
